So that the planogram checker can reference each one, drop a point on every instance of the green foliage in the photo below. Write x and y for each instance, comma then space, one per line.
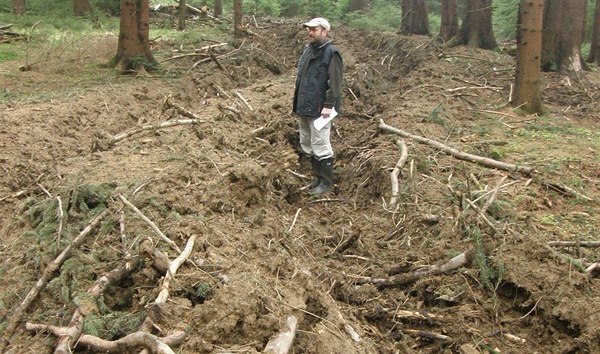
86, 197
385, 18
490, 276
504, 19
436, 115
262, 7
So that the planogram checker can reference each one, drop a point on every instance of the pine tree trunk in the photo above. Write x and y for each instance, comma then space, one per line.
476, 29
449, 23
18, 7
237, 18
595, 44
133, 51
529, 47
181, 19
563, 32
218, 10
415, 19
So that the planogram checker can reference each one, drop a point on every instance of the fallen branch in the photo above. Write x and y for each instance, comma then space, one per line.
416, 315
244, 100
482, 215
159, 345
562, 189
461, 260
426, 334
173, 266
592, 269
574, 243
66, 342
484, 161
394, 175
282, 342
149, 222
50, 270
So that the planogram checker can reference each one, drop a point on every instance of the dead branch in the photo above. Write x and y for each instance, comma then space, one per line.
461, 260
416, 315
482, 215
159, 345
593, 269
493, 196
167, 124
66, 342
425, 334
282, 342
574, 243
184, 112
394, 175
244, 100
50, 270
564, 190
214, 58
149, 222
200, 51
160, 261
484, 161
173, 266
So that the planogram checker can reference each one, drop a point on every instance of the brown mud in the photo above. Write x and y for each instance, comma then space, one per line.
265, 249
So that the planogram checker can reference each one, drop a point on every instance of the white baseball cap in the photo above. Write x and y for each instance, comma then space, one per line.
318, 21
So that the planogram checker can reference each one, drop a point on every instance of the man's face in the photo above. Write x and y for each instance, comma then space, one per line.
316, 34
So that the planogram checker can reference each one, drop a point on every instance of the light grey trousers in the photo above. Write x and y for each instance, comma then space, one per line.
312, 141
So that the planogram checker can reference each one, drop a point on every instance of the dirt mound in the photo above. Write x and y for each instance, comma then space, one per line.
209, 154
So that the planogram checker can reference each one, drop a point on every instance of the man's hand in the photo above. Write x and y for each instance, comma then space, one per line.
325, 112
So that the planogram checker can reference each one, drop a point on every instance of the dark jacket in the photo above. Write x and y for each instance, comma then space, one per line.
318, 81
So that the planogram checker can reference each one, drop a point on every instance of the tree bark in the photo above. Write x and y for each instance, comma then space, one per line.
182, 12
594, 55
82, 7
237, 18
449, 22
133, 51
529, 47
476, 29
218, 8
18, 7
563, 32
415, 19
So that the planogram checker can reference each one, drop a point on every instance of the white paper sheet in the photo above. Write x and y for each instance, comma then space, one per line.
321, 122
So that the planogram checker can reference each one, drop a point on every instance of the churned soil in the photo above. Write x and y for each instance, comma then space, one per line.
264, 249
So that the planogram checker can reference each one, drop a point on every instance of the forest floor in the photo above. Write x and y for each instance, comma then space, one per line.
264, 250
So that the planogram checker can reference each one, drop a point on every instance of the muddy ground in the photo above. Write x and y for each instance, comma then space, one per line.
264, 249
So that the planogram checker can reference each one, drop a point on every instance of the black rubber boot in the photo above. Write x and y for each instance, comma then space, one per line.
315, 168
325, 168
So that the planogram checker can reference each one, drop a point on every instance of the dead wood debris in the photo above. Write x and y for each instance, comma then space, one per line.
484, 161
461, 260
159, 345
394, 175
282, 342
50, 270
68, 341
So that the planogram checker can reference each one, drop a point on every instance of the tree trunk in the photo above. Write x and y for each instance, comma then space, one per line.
415, 19
182, 11
529, 48
237, 18
563, 32
82, 7
218, 10
476, 29
449, 23
358, 5
133, 51
595, 44
18, 7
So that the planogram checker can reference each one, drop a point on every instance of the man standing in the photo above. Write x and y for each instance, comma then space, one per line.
317, 92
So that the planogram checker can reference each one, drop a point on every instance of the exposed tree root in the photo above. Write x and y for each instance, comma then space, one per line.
282, 342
